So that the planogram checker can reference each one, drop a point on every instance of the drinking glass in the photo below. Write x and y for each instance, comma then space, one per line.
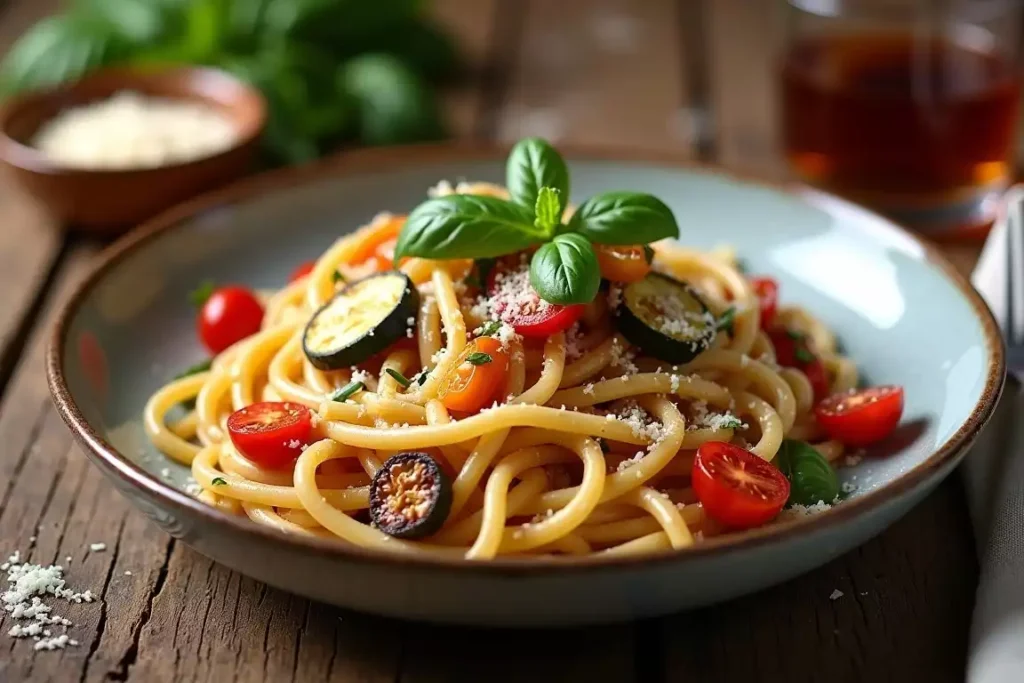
907, 106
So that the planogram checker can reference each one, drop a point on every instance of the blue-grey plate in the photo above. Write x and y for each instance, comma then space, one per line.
899, 309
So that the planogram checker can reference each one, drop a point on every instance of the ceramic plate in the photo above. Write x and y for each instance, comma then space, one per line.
898, 308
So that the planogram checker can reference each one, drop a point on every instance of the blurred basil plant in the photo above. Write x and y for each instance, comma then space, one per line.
332, 71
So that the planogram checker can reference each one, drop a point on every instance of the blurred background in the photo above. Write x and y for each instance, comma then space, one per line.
910, 107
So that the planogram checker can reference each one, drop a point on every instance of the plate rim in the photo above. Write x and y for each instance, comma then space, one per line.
353, 162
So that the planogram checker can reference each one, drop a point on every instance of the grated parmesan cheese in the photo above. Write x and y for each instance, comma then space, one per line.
26, 584
98, 547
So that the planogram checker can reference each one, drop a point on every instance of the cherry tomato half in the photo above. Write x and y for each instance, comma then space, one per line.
622, 263
861, 417
302, 271
470, 386
792, 350
522, 308
271, 434
767, 291
229, 315
736, 487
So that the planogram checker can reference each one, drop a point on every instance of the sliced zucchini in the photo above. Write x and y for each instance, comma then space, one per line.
364, 318
666, 318
410, 496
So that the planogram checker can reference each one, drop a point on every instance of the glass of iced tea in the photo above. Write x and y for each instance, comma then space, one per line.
907, 106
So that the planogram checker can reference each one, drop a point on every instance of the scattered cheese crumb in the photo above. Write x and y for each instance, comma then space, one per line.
26, 583
98, 547
853, 459
836, 594
294, 444
127, 573
589, 389
807, 510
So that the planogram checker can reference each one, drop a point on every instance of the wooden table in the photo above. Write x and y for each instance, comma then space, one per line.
686, 75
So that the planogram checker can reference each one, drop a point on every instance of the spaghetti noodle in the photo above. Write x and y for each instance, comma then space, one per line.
588, 447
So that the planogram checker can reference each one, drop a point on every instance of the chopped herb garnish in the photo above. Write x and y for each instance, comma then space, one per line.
794, 335
200, 294
422, 378
803, 355
479, 358
194, 370
648, 254
730, 422
219, 481
343, 394
490, 328
337, 277
728, 317
399, 377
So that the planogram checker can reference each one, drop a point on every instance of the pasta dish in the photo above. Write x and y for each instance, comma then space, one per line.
500, 373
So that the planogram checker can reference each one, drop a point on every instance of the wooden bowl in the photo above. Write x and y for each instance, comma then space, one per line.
111, 201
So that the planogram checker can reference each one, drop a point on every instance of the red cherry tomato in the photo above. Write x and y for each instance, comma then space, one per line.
767, 291
737, 488
516, 302
229, 315
302, 271
271, 434
793, 351
861, 417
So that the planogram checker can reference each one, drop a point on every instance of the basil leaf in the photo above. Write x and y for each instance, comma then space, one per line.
466, 226
533, 164
624, 218
548, 210
479, 358
565, 270
489, 328
218, 481
811, 477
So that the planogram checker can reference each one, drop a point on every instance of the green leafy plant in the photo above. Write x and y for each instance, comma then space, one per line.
564, 269
332, 70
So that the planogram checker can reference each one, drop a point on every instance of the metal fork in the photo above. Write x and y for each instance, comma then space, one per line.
1013, 321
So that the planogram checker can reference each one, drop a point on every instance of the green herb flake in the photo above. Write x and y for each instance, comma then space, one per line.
337, 277
490, 328
422, 378
803, 355
399, 377
343, 394
202, 293
479, 358
219, 481
194, 369
726, 320
794, 334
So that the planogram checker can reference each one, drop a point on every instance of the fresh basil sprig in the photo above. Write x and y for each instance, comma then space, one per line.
564, 269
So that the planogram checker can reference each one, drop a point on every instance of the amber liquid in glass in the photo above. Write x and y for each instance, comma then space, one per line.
922, 129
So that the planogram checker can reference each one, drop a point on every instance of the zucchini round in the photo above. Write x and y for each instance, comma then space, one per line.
410, 496
364, 318
666, 318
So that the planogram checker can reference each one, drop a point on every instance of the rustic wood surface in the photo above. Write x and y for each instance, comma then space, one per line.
680, 74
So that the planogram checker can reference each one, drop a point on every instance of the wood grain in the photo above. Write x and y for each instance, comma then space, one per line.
29, 242
607, 73
744, 40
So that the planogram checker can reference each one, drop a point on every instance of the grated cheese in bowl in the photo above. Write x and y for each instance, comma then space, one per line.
133, 131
